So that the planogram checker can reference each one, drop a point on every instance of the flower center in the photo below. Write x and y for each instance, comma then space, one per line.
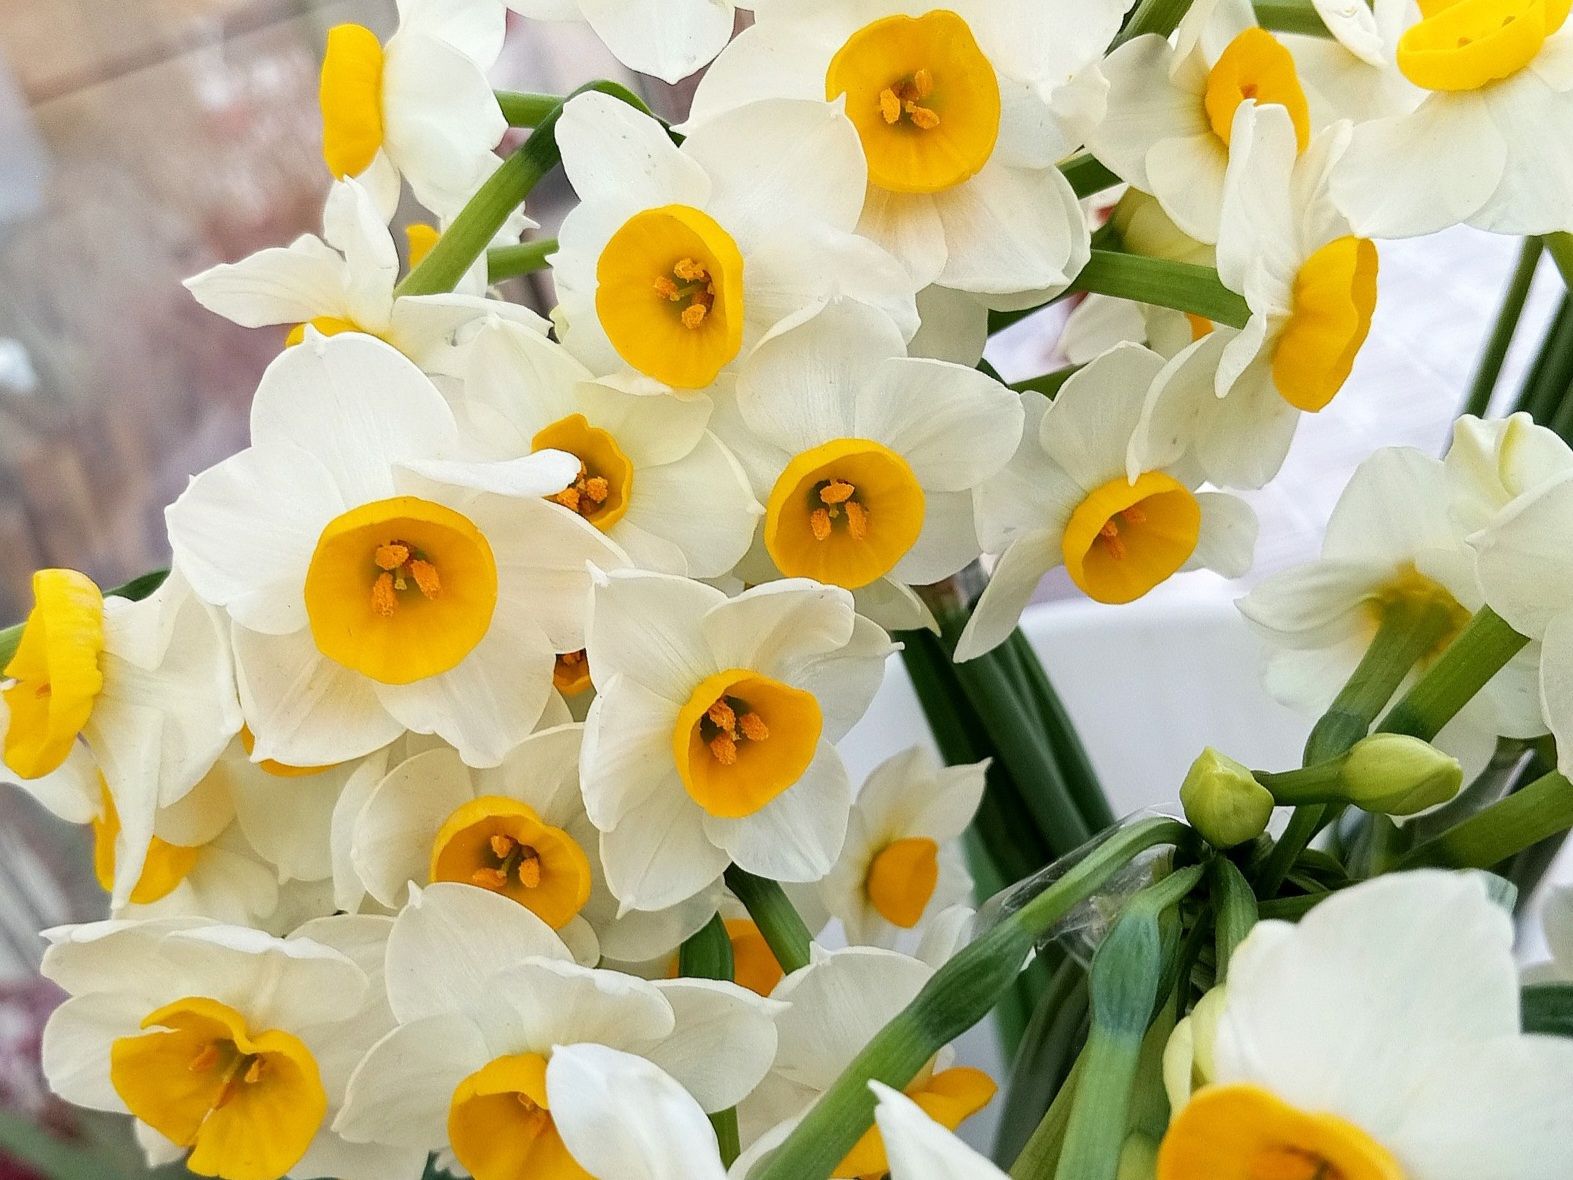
742, 739
844, 513
247, 1106
165, 867
1255, 66
500, 1124
55, 672
351, 99
949, 1098
502, 845
400, 589
1334, 300
670, 295
1468, 44
1246, 1132
901, 880
327, 325
571, 673
923, 97
600, 491
1126, 538
1413, 593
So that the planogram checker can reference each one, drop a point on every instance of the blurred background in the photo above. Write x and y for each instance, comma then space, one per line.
142, 141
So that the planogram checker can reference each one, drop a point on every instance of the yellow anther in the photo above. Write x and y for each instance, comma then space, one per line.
837, 491
690, 271
667, 289
391, 557
819, 522
890, 106
857, 520
724, 749
922, 117
254, 1072
923, 83
694, 315
503, 846
598, 489
568, 498
753, 727
206, 1059
722, 716
530, 869
1109, 530
384, 598
425, 575
1135, 515
494, 879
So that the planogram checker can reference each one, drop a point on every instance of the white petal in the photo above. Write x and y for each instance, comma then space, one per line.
954, 326
845, 681
280, 285
921, 1149
355, 227
1012, 229
614, 154
1144, 107
654, 37
909, 227
622, 1118
1187, 178
724, 1041
474, 27
798, 834
659, 854
955, 426
1526, 558
776, 627
701, 503
1227, 542
393, 833
1017, 574
399, 1095
837, 1004
1087, 430
646, 627
1556, 684
76, 1043
541, 1003
815, 263
627, 754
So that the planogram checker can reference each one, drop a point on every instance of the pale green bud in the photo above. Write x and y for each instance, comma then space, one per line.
1188, 1057
1223, 800
1138, 1157
1394, 774
1144, 228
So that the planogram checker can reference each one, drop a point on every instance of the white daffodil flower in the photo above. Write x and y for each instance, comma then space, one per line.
519, 830
1171, 108
964, 109
1379, 1037
224, 1041
377, 580
1081, 492
711, 739
653, 476
865, 459
666, 40
1488, 145
486, 996
677, 261
1236, 398
148, 686
835, 1006
1394, 544
902, 863
419, 107
1526, 571
344, 282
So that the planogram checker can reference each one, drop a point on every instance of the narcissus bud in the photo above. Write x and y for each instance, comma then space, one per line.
1386, 773
1223, 800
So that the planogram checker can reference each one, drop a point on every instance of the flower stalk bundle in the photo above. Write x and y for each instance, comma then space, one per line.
469, 793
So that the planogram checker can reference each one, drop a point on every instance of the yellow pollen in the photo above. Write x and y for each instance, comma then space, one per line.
890, 106
923, 83
742, 739
254, 1072
530, 868
922, 118
571, 674
722, 716
723, 747
857, 521
384, 599
753, 727
694, 315
425, 575
667, 289
503, 846
391, 557
837, 491
690, 271
819, 523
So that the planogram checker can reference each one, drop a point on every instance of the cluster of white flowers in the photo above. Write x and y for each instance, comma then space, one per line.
508, 647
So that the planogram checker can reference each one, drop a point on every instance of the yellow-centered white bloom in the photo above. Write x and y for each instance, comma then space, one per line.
666, 40
865, 459
653, 476
222, 1041
377, 579
963, 109
1171, 108
1396, 545
711, 739
1082, 492
678, 260
518, 830
1489, 144
1236, 397
344, 282
1378, 1039
835, 1006
487, 998
902, 864
1525, 565
148, 686
418, 107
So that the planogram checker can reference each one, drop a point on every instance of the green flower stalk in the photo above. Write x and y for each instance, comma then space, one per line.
1386, 774
772, 911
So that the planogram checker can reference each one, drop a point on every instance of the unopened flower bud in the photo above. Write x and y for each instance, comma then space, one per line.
1188, 1057
1223, 800
1394, 774
1144, 228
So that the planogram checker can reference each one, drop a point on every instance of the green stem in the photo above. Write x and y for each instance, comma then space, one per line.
1063, 736
1560, 246
1180, 285
708, 955
1088, 175
1234, 910
1501, 339
1541, 810
772, 911
1401, 641
1481, 650
958, 995
527, 110
1127, 970
1042, 1153
1546, 382
1048, 1051
506, 262
478, 223
1153, 16
1049, 384
1291, 16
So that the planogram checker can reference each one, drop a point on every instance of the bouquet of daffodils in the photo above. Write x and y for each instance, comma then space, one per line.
467, 792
